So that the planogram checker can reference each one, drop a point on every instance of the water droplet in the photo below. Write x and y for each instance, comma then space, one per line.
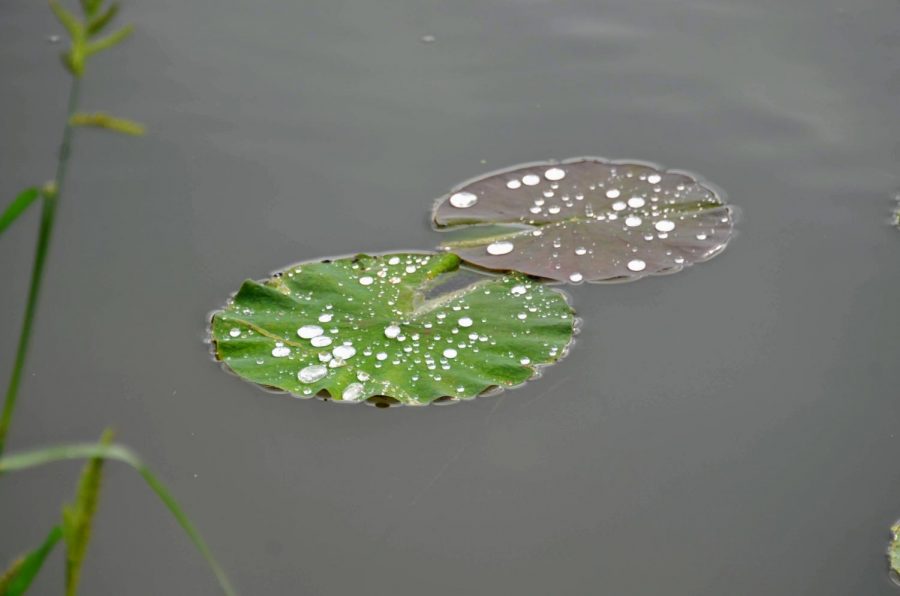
701, 236
632, 221
326, 318
513, 184
394, 261
518, 290
391, 331
462, 200
427, 39
310, 331
280, 351
637, 265
320, 341
654, 178
525, 361
522, 316
555, 174
501, 247
449, 353
366, 280
353, 392
344, 352
576, 277
362, 375
613, 193
234, 332
381, 356
312, 373
465, 322
580, 251
664, 225
554, 209
636, 202
530, 179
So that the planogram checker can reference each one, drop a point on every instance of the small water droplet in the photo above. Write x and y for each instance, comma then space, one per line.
580, 251
518, 290
326, 318
501, 247
530, 179
613, 193
462, 200
391, 331
449, 353
525, 361
632, 221
637, 265
636, 202
513, 184
701, 236
555, 174
576, 277
312, 373
381, 356
362, 375
310, 331
465, 322
619, 205
234, 332
654, 178
366, 280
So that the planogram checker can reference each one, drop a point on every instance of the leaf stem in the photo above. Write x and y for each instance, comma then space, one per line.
48, 216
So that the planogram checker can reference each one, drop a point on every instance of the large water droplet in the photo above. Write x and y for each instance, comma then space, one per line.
576, 277
637, 265
310, 331
632, 221
320, 341
654, 178
366, 280
555, 174
449, 353
344, 352
636, 202
462, 200
465, 322
392, 331
501, 247
312, 373
280, 351
530, 179
664, 225
518, 290
353, 392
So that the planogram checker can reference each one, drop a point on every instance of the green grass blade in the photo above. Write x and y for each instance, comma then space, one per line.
39, 457
68, 20
78, 518
22, 572
107, 121
111, 40
18, 206
98, 23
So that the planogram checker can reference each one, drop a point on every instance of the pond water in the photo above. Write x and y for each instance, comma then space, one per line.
731, 429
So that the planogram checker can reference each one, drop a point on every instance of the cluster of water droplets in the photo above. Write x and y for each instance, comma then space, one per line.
662, 219
382, 334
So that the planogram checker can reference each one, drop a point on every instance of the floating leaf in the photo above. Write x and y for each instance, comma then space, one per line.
107, 121
588, 219
17, 207
894, 551
364, 327
17, 579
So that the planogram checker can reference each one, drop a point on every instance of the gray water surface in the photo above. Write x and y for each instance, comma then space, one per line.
732, 429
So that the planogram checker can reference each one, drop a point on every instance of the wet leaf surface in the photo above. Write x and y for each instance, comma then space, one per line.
379, 328
587, 219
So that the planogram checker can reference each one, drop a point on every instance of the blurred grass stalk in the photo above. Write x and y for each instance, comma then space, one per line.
77, 519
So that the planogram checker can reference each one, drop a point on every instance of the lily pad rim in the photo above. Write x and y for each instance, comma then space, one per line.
387, 402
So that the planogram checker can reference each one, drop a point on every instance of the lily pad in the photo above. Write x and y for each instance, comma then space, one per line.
587, 219
369, 328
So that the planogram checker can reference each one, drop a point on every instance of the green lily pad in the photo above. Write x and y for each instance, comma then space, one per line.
894, 552
587, 219
368, 328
